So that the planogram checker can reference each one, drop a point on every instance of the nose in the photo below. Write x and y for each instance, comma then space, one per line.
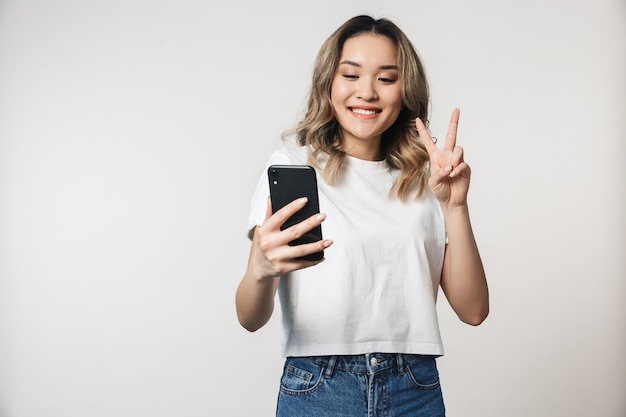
366, 89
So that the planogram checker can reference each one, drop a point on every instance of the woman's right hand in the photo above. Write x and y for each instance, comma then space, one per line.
271, 255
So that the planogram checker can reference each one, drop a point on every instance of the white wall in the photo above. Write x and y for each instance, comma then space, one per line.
133, 132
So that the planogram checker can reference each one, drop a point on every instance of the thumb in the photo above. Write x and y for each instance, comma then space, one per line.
268, 210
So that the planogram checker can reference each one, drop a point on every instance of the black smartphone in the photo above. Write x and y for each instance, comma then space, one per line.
288, 183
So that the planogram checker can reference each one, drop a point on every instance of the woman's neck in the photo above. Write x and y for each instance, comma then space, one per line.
367, 152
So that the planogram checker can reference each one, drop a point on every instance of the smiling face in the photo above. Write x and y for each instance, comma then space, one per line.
366, 93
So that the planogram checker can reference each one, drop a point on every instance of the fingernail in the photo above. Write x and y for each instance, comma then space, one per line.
302, 201
320, 217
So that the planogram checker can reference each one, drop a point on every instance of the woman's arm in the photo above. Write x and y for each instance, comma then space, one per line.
270, 257
463, 278
254, 298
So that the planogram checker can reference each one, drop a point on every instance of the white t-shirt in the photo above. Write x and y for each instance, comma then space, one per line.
377, 288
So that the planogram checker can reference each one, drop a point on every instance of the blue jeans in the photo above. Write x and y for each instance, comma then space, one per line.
370, 385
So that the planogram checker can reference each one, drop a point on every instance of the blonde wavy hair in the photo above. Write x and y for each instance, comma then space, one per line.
400, 145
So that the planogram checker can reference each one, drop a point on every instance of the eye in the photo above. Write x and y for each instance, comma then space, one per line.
387, 80
350, 76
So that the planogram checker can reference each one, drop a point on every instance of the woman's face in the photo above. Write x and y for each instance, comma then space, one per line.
366, 93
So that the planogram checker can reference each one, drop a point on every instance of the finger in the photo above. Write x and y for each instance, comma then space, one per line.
462, 170
452, 129
457, 156
425, 136
296, 264
268, 210
440, 175
299, 251
300, 242
280, 217
305, 226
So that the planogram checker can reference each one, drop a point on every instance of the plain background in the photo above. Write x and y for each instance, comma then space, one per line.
132, 134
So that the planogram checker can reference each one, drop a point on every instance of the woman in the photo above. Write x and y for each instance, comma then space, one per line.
360, 331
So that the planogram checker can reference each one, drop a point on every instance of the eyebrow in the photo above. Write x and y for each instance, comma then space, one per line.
356, 64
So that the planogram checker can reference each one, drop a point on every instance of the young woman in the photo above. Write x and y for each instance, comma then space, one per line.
360, 330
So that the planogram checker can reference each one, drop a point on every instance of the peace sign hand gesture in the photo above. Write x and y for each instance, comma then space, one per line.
449, 174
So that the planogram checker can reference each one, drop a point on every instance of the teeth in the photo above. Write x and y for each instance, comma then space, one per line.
363, 111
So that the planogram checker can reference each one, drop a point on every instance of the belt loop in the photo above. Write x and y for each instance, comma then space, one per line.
331, 366
400, 363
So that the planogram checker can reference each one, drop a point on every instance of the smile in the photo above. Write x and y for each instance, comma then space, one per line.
365, 112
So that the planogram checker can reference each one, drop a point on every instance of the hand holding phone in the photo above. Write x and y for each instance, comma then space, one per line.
288, 183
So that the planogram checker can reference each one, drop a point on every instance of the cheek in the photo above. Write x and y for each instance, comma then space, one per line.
396, 98
338, 91
333, 95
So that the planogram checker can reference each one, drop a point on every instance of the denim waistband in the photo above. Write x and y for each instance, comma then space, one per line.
366, 363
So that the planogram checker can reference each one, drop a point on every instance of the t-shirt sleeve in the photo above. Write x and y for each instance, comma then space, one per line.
258, 205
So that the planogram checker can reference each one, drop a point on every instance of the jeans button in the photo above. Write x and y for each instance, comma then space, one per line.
373, 361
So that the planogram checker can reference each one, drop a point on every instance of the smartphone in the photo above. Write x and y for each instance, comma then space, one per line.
288, 183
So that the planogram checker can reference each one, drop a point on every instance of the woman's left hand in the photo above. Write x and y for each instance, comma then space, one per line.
449, 174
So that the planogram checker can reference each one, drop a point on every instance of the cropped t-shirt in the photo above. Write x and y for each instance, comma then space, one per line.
377, 288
